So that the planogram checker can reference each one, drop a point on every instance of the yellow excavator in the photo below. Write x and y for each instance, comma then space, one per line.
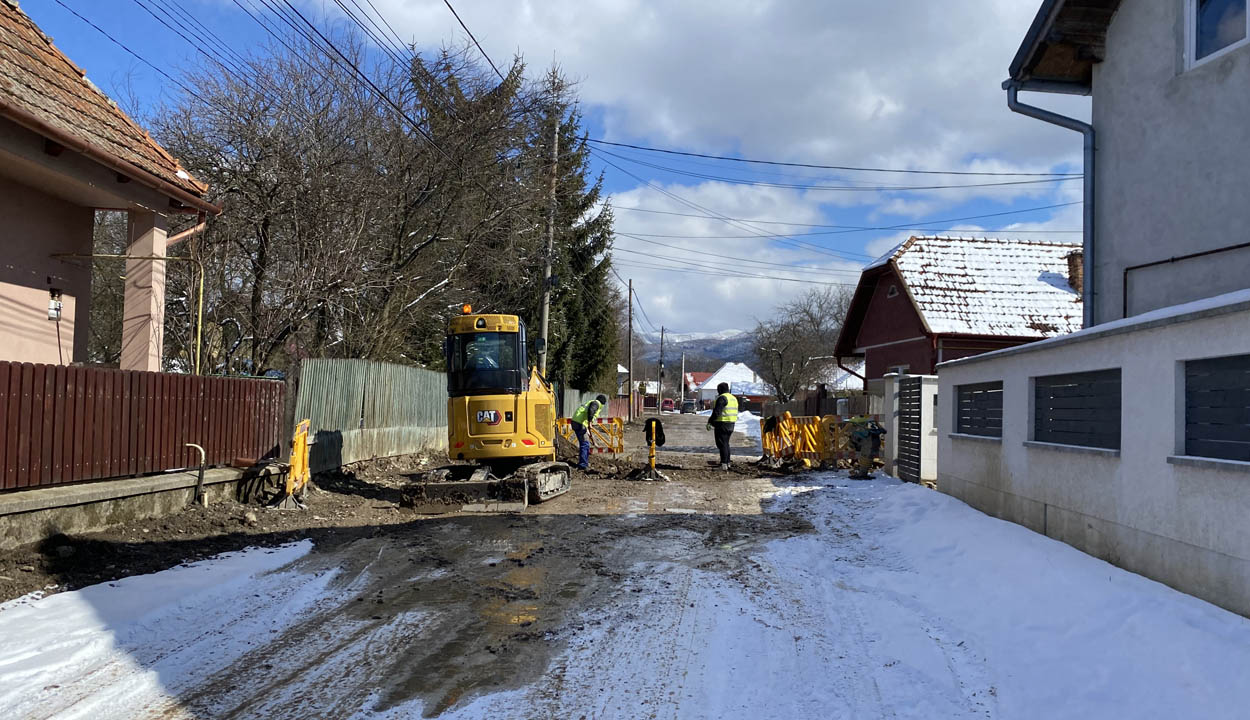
501, 423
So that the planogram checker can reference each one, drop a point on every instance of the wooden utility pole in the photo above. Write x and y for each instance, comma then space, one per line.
659, 395
683, 381
551, 233
630, 343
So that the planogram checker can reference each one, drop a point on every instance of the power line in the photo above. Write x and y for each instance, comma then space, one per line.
134, 54
806, 268
830, 167
736, 223
474, 39
846, 227
832, 188
727, 274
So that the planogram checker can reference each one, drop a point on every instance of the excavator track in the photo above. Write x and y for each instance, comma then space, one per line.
469, 488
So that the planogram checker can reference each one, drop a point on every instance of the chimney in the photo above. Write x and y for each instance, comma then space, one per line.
1076, 271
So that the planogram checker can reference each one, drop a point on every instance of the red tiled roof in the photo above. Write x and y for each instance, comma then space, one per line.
38, 79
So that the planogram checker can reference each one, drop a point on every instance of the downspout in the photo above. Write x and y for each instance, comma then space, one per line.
1089, 293
852, 372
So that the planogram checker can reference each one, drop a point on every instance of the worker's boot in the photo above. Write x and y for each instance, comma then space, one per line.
724, 466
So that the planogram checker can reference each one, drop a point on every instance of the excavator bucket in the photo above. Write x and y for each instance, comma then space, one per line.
465, 488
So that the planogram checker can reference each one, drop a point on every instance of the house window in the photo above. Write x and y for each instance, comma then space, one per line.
892, 292
1078, 409
1217, 407
979, 409
1214, 27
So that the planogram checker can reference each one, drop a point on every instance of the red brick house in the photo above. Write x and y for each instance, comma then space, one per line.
933, 299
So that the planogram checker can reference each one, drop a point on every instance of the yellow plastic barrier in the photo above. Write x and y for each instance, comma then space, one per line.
809, 440
606, 435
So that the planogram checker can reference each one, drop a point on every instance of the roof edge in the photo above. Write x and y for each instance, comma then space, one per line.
109, 160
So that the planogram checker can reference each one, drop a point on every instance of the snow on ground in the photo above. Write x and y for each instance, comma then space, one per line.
748, 423
143, 637
901, 602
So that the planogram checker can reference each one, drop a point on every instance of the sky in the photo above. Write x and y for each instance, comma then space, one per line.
712, 244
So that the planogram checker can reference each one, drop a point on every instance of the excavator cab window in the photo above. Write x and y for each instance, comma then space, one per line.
486, 362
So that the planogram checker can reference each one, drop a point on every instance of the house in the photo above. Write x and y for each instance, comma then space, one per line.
694, 381
933, 299
743, 382
1130, 439
67, 150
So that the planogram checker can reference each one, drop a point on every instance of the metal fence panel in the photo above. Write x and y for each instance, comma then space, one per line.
909, 428
1078, 409
361, 409
979, 409
1217, 407
63, 424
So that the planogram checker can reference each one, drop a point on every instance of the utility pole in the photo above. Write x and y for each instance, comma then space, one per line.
683, 381
551, 232
630, 343
659, 395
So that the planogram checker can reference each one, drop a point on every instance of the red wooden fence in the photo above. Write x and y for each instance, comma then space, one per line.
62, 424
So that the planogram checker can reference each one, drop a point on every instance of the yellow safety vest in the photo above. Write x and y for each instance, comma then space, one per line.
730, 413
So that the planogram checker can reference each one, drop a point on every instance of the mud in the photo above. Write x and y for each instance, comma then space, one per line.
444, 610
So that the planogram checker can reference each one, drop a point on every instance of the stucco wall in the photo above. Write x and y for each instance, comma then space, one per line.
1181, 524
34, 226
1173, 156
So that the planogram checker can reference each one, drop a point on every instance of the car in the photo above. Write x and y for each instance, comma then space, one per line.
687, 407
667, 405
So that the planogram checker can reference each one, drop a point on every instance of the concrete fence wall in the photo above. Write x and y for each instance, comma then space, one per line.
1146, 506
360, 410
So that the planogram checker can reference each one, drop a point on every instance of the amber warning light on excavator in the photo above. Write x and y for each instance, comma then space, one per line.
466, 308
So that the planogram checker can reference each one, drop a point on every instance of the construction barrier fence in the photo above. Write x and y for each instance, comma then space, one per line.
809, 440
606, 435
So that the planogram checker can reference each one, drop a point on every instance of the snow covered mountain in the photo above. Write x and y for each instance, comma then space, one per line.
723, 346
687, 337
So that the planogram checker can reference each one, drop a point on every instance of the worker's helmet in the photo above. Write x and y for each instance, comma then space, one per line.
603, 399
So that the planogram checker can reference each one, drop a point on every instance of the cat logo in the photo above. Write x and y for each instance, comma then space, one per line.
488, 417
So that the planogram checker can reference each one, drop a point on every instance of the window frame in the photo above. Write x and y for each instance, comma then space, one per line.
1191, 38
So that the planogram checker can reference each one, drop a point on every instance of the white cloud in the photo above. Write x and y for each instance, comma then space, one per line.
885, 83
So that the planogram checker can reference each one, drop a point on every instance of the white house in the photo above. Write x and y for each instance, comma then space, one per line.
1130, 439
741, 378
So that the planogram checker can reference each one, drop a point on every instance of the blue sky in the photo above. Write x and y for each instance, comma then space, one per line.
891, 84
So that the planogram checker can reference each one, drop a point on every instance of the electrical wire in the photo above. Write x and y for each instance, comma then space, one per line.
474, 39
829, 167
806, 268
854, 227
832, 188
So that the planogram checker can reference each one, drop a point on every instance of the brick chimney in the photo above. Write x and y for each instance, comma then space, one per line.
1076, 271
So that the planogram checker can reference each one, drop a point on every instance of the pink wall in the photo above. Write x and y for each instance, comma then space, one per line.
33, 225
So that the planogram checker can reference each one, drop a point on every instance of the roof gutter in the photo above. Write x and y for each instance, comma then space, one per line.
33, 122
1089, 293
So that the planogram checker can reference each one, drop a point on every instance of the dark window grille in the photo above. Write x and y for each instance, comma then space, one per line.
980, 409
1217, 408
1078, 409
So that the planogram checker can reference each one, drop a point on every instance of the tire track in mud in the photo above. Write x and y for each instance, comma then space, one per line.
463, 609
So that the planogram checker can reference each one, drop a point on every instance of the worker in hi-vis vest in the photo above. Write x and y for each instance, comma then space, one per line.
724, 416
588, 412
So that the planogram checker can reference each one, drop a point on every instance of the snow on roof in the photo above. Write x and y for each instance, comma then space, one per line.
1235, 301
989, 286
741, 378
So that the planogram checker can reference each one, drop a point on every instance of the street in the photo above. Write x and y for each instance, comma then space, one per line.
811, 596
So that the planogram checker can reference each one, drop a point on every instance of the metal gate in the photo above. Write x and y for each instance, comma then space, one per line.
909, 433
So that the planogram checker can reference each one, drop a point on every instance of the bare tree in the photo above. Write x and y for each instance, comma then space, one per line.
795, 350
